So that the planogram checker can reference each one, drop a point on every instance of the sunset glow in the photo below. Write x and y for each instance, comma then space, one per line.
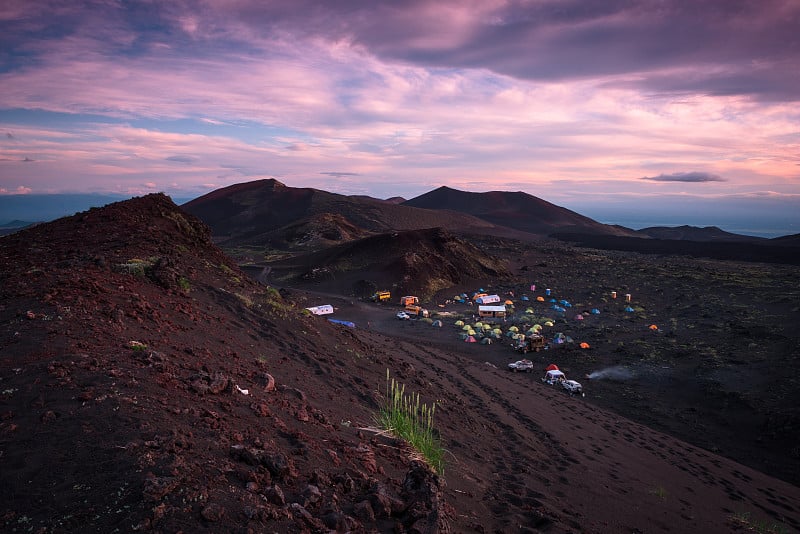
662, 107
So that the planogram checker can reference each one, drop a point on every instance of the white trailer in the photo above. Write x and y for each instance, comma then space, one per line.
325, 309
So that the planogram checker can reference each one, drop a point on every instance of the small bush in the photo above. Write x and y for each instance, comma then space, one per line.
183, 283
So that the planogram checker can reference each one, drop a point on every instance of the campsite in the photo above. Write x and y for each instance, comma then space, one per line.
697, 340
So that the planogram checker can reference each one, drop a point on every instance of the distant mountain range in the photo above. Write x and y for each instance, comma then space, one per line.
267, 212
271, 217
270, 213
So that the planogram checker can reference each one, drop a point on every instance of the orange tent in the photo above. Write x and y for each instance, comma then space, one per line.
653, 327
584, 345
540, 299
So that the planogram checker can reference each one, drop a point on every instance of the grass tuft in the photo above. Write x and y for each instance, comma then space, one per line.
407, 418
745, 520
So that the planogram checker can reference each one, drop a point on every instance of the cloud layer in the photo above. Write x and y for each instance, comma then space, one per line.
564, 99
688, 177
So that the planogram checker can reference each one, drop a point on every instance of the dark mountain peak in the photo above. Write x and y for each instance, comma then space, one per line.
518, 210
686, 232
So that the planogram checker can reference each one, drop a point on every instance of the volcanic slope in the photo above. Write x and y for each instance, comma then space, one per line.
235, 412
269, 213
517, 210
148, 384
418, 262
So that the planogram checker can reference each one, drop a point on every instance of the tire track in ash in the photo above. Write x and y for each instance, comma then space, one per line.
530, 452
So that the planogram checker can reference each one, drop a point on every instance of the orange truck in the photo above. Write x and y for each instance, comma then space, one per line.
409, 300
418, 311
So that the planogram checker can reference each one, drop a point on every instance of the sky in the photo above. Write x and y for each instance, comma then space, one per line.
653, 111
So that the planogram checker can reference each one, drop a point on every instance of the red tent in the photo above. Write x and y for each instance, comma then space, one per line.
552, 367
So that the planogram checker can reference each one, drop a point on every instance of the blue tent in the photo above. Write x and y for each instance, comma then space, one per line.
351, 324
595, 311
525, 298
628, 309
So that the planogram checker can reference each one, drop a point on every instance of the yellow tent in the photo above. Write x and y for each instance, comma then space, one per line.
513, 329
459, 323
549, 323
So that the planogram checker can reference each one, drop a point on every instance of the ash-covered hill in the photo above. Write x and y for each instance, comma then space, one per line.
416, 261
694, 233
267, 212
517, 210
147, 384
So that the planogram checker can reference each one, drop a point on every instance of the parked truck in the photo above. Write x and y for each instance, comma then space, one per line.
409, 300
530, 344
416, 311
381, 296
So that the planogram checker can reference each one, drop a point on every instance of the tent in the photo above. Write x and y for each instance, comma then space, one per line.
437, 322
529, 310
537, 328
540, 299
486, 341
509, 303
478, 325
470, 339
584, 345
595, 311
466, 327
345, 323
525, 298
513, 329
470, 332
628, 309
653, 327
551, 367
579, 317
548, 323
459, 323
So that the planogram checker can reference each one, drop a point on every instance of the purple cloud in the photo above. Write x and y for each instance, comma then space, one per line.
689, 177
340, 174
